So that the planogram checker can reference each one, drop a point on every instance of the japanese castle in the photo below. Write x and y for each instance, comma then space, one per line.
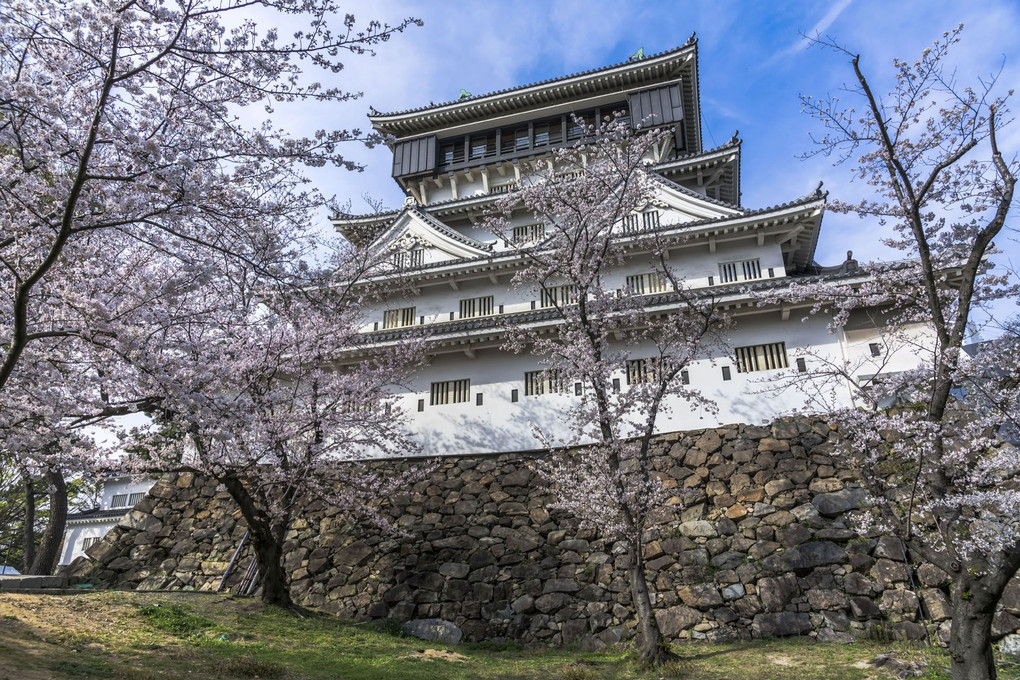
455, 160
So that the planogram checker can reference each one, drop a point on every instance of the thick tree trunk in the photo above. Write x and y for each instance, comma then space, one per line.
48, 553
971, 641
274, 582
29, 527
653, 649
267, 539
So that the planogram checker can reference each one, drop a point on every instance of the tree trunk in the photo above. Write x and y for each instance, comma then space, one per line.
267, 540
48, 553
652, 650
970, 643
29, 527
274, 583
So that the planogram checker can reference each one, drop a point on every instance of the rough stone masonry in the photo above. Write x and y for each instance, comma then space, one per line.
760, 549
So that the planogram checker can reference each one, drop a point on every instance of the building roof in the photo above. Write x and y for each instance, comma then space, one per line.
366, 227
97, 515
627, 74
726, 225
731, 296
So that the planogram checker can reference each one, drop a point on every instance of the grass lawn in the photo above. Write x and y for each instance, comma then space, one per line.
180, 635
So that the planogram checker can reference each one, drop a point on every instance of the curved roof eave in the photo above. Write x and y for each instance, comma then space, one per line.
812, 204
401, 123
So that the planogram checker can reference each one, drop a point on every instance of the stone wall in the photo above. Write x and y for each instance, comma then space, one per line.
761, 550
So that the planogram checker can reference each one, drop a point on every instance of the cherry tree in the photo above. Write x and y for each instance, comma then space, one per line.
598, 332
930, 442
267, 388
122, 141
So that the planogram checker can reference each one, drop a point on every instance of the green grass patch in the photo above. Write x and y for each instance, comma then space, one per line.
188, 636
175, 619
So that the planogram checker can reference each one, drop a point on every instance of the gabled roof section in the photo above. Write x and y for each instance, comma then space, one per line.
626, 75
719, 166
691, 202
418, 226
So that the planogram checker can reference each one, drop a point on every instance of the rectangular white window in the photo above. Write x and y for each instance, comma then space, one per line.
527, 233
643, 221
479, 306
135, 499
119, 501
398, 318
743, 270
89, 542
549, 381
762, 357
647, 284
450, 392
648, 370
558, 296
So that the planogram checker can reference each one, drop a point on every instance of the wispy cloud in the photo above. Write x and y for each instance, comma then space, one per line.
820, 27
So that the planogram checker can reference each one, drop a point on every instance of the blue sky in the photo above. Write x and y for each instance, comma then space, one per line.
753, 66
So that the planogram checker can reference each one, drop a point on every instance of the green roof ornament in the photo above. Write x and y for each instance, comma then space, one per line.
640, 54
464, 94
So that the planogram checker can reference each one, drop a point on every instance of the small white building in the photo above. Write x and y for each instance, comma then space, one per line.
455, 160
120, 494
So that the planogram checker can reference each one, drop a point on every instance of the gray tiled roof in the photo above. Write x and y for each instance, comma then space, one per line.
548, 81
498, 322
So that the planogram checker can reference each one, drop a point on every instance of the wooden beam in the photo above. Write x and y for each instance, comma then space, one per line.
761, 237
711, 244
494, 278
469, 352
454, 284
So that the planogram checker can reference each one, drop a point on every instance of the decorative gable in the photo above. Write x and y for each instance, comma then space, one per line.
416, 239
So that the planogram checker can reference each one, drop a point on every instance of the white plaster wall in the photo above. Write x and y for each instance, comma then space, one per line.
501, 425
123, 485
694, 264
76, 533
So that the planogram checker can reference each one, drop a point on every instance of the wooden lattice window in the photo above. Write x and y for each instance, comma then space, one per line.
450, 392
398, 318
479, 306
743, 270
647, 284
549, 381
768, 357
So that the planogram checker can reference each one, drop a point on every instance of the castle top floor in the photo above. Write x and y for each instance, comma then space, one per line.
498, 131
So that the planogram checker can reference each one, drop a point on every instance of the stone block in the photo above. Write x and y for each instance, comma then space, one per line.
780, 624
673, 620
435, 630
